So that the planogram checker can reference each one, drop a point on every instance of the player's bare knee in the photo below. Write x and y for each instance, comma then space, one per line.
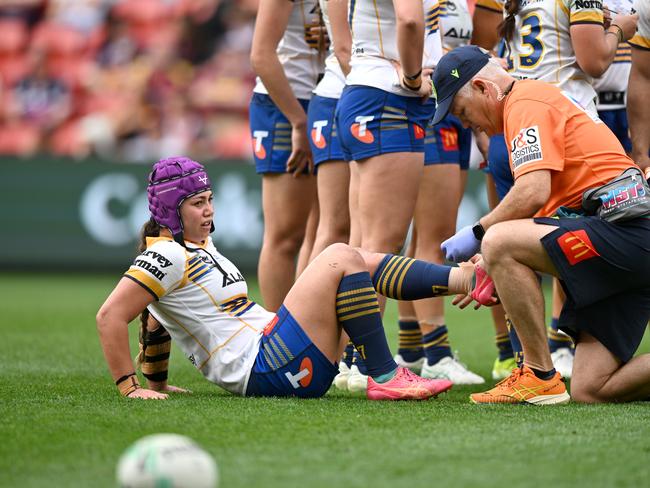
288, 243
493, 245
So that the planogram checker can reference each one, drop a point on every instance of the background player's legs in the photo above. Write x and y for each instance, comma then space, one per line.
333, 181
599, 376
353, 201
307, 246
409, 348
435, 220
388, 188
286, 202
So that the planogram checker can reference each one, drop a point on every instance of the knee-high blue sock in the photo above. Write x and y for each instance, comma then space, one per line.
557, 339
517, 350
410, 340
410, 279
357, 310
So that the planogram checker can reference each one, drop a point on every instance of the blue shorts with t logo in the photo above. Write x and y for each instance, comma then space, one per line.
288, 363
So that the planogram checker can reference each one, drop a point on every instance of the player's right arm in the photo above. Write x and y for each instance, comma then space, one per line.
487, 17
342, 37
594, 47
638, 89
410, 38
124, 304
270, 25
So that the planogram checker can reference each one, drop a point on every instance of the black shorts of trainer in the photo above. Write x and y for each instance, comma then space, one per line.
604, 269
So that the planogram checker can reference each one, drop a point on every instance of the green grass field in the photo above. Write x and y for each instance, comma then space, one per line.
62, 423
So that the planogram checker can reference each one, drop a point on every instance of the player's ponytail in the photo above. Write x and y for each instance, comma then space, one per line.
150, 229
507, 27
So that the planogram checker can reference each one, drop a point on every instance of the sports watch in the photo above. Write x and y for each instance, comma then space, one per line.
478, 231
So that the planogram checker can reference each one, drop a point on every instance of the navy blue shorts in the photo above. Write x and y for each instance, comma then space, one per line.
270, 133
604, 269
323, 137
371, 122
499, 165
616, 120
448, 142
288, 363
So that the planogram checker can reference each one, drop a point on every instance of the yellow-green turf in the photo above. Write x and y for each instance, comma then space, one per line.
62, 423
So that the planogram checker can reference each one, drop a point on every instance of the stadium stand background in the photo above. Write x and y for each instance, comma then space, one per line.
125, 80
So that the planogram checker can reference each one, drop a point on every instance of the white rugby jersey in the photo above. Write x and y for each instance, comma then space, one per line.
301, 62
374, 43
202, 301
612, 86
642, 37
455, 23
541, 48
333, 80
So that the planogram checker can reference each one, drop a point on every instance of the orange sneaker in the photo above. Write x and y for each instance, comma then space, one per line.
522, 386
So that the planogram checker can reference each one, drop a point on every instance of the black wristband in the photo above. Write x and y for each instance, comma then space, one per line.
413, 77
124, 378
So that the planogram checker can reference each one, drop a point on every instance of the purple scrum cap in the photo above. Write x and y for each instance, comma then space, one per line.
171, 181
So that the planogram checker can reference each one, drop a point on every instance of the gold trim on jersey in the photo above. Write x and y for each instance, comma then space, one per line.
146, 280
150, 241
590, 17
223, 344
493, 5
640, 42
381, 40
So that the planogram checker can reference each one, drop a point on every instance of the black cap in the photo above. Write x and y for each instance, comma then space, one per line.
452, 72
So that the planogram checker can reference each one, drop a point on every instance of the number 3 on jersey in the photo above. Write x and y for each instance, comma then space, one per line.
531, 33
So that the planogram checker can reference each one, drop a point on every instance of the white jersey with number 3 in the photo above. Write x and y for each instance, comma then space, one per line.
202, 301
374, 43
541, 48
298, 53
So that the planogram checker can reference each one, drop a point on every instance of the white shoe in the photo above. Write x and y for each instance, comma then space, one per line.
341, 379
357, 382
415, 366
563, 361
452, 369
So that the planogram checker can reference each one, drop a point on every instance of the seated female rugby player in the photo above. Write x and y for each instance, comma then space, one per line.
200, 300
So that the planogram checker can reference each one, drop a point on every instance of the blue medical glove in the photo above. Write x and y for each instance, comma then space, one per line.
461, 246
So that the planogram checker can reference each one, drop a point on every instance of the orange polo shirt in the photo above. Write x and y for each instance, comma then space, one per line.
545, 129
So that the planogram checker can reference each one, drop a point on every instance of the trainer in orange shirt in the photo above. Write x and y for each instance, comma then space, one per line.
579, 210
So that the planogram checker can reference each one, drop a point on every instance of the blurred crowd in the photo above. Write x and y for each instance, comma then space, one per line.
127, 80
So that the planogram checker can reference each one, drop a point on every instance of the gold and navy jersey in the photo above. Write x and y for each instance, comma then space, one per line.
641, 40
298, 50
202, 300
612, 86
333, 80
541, 48
374, 43
456, 23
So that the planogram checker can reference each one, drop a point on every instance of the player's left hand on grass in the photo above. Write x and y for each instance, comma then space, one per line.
165, 388
461, 246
